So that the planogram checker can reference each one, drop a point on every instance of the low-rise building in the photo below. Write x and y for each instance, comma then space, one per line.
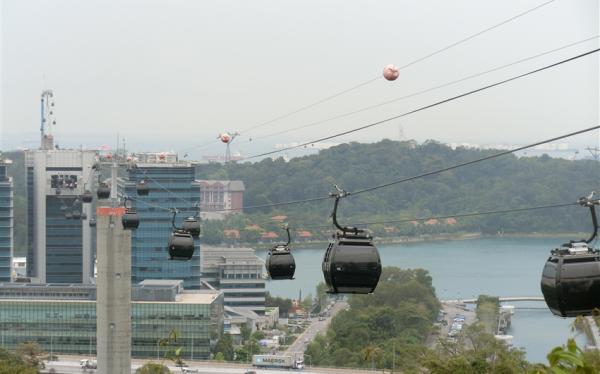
62, 317
238, 272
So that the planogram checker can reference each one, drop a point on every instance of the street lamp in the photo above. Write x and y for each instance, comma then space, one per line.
309, 359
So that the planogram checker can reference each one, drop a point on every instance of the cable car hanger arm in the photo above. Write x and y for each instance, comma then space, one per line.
591, 203
340, 194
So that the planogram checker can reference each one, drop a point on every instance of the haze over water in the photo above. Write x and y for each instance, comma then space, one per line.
465, 269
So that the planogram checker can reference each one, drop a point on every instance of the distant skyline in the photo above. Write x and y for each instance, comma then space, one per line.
172, 75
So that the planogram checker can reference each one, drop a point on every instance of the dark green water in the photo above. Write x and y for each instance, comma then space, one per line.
465, 269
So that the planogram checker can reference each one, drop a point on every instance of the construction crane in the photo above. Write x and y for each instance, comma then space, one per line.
47, 119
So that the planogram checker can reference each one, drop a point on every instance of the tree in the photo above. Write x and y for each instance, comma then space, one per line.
224, 346
153, 368
31, 353
173, 351
245, 331
10, 363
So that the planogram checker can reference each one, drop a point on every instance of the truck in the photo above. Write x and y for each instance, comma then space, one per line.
88, 364
277, 361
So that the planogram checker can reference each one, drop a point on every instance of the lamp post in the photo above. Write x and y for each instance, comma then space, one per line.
309, 359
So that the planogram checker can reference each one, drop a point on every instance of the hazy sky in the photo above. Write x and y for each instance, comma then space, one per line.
169, 75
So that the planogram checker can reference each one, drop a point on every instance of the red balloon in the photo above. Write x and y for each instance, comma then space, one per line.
391, 72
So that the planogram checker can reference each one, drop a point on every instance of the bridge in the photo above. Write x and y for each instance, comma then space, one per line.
502, 299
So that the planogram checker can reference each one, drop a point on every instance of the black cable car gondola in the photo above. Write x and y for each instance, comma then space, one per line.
76, 214
130, 219
142, 188
103, 191
280, 263
351, 263
191, 225
571, 276
181, 243
87, 196
92, 222
68, 215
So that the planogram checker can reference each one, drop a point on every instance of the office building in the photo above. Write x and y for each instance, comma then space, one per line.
238, 272
221, 197
172, 185
62, 318
59, 237
6, 223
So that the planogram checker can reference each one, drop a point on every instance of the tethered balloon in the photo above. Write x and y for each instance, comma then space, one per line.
391, 72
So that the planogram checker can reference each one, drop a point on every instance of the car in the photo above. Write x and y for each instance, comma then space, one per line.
250, 371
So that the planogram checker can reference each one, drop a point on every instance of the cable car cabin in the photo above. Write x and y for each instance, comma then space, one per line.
76, 214
280, 263
103, 191
571, 280
130, 219
68, 215
142, 188
92, 222
192, 226
87, 197
181, 246
351, 264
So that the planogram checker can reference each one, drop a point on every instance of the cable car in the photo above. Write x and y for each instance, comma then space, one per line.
181, 246
92, 222
571, 276
351, 263
181, 242
280, 262
68, 215
87, 196
192, 226
83, 215
103, 191
142, 188
130, 219
76, 214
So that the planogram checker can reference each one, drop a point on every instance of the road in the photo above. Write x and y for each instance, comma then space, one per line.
451, 309
315, 327
207, 367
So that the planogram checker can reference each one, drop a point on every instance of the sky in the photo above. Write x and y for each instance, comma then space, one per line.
172, 75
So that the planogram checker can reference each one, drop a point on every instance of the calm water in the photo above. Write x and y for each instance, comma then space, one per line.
465, 269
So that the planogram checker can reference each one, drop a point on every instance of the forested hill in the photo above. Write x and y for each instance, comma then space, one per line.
503, 183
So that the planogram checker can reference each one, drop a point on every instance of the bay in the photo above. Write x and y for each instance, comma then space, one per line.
505, 266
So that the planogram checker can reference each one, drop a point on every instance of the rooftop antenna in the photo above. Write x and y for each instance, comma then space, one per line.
47, 119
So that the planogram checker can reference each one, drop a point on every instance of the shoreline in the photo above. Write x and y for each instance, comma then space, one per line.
321, 244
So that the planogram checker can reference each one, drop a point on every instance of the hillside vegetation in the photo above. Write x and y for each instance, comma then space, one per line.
504, 183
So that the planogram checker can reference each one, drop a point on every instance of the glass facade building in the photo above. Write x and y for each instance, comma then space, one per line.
6, 224
59, 237
66, 322
171, 185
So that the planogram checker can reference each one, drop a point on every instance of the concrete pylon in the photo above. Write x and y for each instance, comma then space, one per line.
113, 305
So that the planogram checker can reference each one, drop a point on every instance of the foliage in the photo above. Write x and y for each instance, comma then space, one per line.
571, 359
224, 347
397, 317
11, 363
487, 311
31, 353
153, 368
284, 304
173, 351
475, 352
505, 182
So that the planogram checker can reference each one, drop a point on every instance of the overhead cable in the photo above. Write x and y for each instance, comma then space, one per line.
468, 93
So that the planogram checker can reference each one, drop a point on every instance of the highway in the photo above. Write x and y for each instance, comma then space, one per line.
316, 326
205, 367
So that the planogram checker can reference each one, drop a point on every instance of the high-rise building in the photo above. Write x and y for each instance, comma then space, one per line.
59, 236
172, 185
6, 223
221, 197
